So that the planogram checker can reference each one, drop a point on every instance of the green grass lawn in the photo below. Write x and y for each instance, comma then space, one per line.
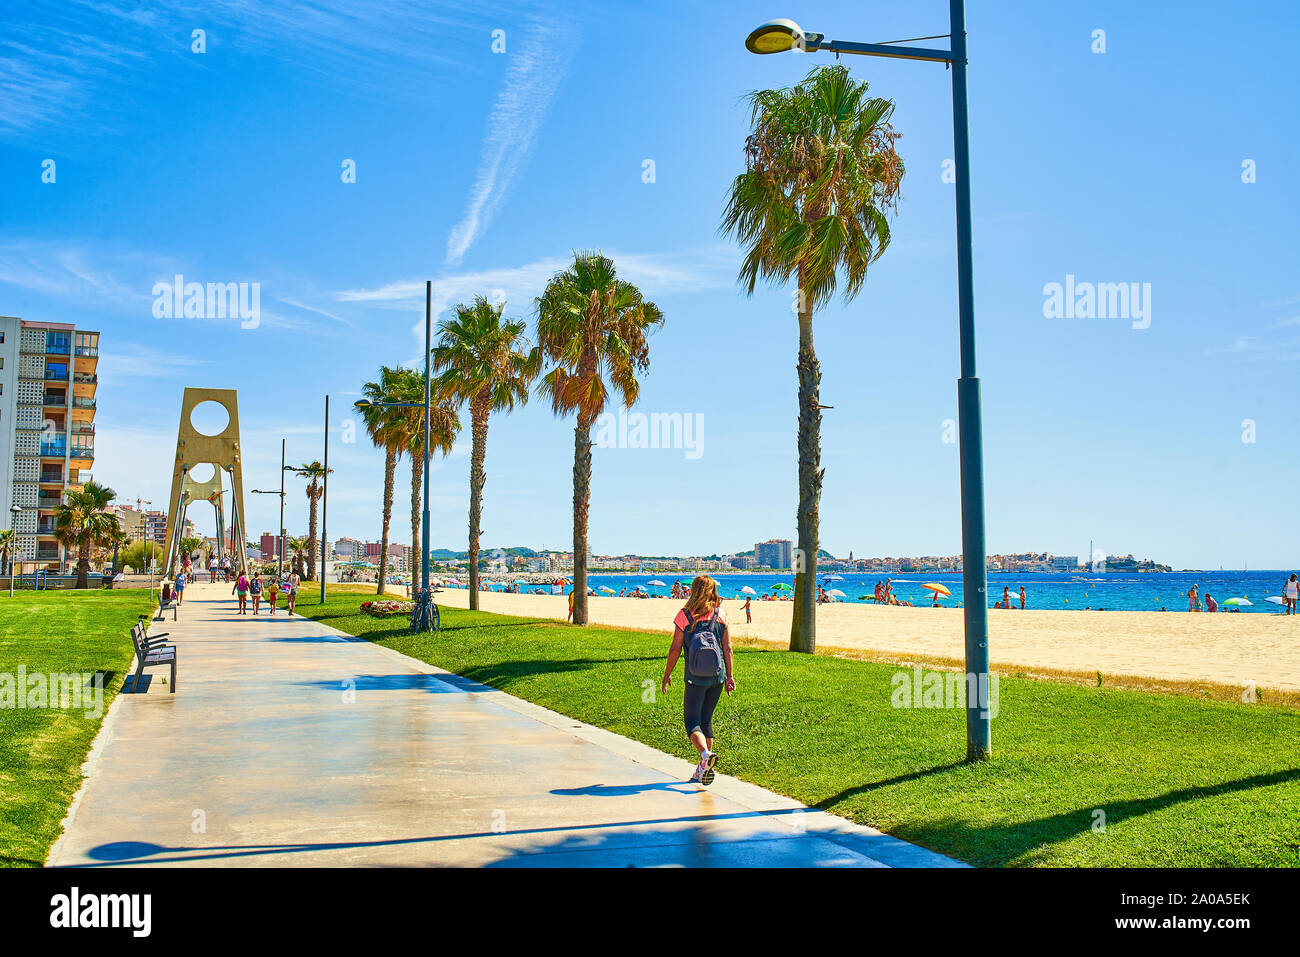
42, 750
1181, 782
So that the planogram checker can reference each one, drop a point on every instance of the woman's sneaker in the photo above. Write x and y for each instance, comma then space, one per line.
707, 761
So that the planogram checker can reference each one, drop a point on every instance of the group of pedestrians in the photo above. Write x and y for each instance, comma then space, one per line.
269, 588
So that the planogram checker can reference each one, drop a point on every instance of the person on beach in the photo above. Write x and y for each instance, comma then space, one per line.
1194, 598
1022, 597
877, 593
1006, 597
241, 589
1291, 594
749, 614
291, 592
889, 591
255, 590
272, 593
569, 616
700, 629
1211, 605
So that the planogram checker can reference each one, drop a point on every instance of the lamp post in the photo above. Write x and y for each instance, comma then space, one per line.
279, 551
423, 618
14, 511
324, 506
778, 36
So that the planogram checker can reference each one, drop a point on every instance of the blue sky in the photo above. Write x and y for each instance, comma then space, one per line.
482, 171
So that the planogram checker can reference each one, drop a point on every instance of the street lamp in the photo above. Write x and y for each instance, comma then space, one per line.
778, 36
14, 511
424, 617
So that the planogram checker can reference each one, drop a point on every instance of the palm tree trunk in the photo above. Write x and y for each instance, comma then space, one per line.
83, 561
313, 496
581, 510
479, 412
417, 481
803, 626
390, 473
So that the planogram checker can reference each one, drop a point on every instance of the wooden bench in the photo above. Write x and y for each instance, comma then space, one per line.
150, 652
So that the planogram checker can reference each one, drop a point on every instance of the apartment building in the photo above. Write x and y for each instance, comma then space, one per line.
47, 429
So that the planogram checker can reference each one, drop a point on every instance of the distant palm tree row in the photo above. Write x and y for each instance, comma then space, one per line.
591, 342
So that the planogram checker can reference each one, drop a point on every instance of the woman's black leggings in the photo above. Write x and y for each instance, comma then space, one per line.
698, 708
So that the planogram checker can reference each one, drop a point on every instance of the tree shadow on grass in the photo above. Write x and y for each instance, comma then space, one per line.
1005, 843
494, 674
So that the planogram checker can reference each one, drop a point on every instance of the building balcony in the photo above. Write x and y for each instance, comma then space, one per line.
81, 402
58, 349
58, 401
86, 452
83, 428
46, 528
53, 375
53, 450
89, 352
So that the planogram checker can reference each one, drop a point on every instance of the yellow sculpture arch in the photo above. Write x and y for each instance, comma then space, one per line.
222, 452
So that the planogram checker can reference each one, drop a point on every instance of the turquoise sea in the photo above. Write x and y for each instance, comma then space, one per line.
1112, 592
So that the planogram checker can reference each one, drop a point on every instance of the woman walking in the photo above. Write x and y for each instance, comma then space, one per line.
291, 592
1291, 592
241, 589
700, 630
255, 590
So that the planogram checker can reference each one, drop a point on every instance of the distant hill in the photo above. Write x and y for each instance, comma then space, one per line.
518, 551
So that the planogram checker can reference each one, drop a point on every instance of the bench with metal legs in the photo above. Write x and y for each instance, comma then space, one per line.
151, 652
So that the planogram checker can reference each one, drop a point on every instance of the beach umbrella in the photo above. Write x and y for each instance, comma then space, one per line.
657, 583
1276, 599
835, 592
1238, 601
833, 578
748, 591
938, 589
780, 586
604, 588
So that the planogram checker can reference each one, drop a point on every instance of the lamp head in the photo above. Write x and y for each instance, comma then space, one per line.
780, 35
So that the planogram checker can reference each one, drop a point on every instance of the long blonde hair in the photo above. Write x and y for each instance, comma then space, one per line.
704, 597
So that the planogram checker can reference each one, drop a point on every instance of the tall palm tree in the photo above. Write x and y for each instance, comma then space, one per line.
381, 427
444, 426
8, 546
483, 360
314, 471
591, 327
83, 519
821, 174
297, 547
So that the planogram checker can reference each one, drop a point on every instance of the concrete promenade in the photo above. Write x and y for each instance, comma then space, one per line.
289, 743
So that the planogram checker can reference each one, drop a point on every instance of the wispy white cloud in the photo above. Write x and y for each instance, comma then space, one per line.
536, 68
658, 274
130, 361
62, 62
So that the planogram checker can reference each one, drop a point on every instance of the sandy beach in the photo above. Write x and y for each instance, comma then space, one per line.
1224, 648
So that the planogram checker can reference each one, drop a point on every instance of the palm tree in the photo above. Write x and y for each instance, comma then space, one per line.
380, 426
591, 327
444, 426
8, 545
821, 173
484, 361
298, 548
312, 470
188, 547
83, 520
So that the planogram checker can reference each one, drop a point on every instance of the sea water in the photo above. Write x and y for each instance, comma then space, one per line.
1153, 591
